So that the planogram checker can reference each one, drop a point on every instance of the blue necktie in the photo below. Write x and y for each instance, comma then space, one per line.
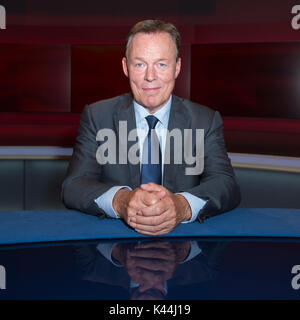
151, 159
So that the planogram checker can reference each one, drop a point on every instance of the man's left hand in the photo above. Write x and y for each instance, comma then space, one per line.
163, 216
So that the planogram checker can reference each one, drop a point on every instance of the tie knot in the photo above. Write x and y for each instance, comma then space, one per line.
152, 121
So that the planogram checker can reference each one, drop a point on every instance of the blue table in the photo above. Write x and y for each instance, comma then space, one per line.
64, 254
59, 225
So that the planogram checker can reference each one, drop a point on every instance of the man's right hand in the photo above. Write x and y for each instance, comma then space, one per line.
128, 203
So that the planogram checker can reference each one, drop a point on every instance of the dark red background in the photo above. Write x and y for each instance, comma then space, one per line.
241, 58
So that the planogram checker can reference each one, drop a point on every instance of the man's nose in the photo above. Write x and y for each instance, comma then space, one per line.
150, 74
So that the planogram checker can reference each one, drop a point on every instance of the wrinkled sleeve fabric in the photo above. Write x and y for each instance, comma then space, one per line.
83, 183
217, 186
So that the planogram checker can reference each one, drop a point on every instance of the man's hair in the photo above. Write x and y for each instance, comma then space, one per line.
154, 26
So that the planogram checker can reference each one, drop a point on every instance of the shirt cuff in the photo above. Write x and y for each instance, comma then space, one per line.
194, 251
106, 250
195, 203
104, 202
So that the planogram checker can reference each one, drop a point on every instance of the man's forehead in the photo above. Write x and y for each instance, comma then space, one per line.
160, 41
153, 37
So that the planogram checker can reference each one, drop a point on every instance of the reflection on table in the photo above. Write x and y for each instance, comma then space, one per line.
176, 269
152, 269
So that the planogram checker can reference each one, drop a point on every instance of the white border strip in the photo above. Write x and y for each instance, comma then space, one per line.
238, 159
6, 152
265, 160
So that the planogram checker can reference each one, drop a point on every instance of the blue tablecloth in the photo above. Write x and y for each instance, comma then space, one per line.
59, 225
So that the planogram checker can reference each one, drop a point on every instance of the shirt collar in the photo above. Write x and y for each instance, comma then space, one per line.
162, 114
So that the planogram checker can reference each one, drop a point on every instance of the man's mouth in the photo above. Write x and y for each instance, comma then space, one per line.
151, 89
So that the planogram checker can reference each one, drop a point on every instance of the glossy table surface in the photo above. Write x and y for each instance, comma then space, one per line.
34, 226
198, 268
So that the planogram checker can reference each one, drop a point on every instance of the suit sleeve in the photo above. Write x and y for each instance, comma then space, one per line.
82, 184
217, 182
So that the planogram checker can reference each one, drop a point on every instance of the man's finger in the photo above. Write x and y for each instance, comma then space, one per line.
166, 224
154, 233
146, 221
161, 194
158, 190
149, 199
151, 187
156, 209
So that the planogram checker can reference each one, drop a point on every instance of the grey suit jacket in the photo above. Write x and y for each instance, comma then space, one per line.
86, 179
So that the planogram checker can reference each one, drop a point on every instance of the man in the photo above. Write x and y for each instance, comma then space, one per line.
151, 198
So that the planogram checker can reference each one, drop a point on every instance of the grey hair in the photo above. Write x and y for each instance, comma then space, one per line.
154, 26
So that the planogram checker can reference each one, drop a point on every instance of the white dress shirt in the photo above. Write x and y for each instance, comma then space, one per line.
105, 200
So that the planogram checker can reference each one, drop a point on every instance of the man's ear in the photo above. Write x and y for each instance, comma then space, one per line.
124, 65
178, 67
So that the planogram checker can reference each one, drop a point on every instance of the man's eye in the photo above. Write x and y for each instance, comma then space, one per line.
162, 65
139, 65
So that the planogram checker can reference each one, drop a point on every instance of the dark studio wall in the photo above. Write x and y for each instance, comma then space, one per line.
239, 57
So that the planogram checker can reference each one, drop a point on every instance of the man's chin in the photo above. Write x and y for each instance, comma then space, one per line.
152, 106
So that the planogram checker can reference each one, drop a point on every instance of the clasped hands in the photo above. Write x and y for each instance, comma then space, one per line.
151, 209
150, 264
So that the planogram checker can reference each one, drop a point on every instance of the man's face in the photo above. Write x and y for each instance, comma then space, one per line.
152, 69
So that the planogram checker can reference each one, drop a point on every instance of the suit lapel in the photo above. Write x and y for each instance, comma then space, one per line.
179, 119
125, 116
